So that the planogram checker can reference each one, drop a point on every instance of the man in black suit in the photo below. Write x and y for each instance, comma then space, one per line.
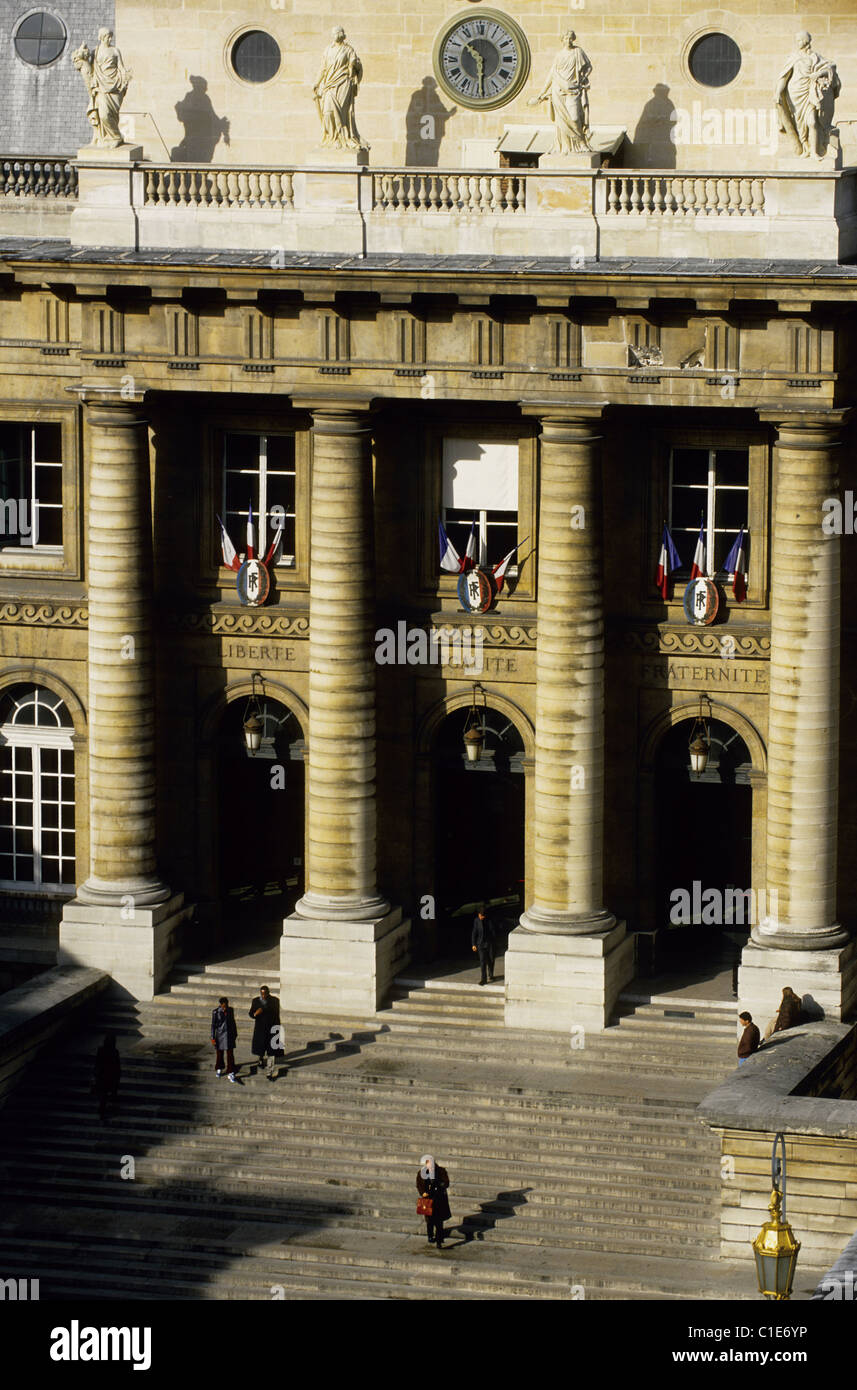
482, 941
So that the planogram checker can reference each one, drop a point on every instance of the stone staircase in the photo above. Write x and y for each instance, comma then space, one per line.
577, 1170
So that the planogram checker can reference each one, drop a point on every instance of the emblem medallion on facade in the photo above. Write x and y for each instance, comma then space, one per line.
476, 590
253, 583
481, 59
701, 601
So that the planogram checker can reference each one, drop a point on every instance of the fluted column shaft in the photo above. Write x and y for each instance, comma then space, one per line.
803, 735
121, 660
341, 849
569, 761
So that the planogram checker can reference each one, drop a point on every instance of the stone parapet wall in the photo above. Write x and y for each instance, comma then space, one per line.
33, 1015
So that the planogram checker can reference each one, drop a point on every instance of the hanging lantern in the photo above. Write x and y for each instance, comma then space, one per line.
775, 1248
700, 742
253, 727
474, 729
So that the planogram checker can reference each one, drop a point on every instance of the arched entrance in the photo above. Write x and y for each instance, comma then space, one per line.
261, 821
479, 818
703, 869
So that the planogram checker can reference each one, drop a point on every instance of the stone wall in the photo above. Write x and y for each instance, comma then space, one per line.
640, 77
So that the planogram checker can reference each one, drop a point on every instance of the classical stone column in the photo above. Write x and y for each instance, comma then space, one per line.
122, 916
343, 945
799, 942
569, 957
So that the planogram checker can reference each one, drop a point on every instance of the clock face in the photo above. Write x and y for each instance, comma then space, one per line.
481, 59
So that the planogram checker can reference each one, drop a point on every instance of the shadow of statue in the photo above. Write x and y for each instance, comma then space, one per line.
425, 123
652, 145
203, 128
474, 1226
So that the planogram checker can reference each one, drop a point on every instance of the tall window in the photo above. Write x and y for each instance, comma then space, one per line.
709, 486
259, 471
36, 790
480, 482
30, 486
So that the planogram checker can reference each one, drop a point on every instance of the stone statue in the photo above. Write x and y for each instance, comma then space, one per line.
106, 78
807, 89
335, 93
567, 90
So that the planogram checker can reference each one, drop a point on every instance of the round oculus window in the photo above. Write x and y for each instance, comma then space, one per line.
714, 60
40, 39
256, 56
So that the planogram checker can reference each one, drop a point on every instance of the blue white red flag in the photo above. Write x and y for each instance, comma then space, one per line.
450, 560
469, 560
736, 565
697, 569
499, 570
275, 548
230, 554
668, 561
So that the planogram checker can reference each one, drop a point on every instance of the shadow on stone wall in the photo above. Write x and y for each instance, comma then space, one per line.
203, 128
425, 123
651, 146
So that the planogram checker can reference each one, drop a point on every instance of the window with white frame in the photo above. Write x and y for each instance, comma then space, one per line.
480, 483
259, 471
36, 790
31, 485
708, 486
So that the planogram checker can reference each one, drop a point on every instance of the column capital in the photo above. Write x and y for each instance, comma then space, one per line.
565, 412
335, 403
799, 419
91, 393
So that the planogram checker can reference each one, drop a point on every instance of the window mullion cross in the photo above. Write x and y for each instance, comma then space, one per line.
712, 493
263, 496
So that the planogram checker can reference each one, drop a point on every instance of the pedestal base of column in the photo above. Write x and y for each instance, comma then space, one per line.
829, 978
557, 983
138, 946
338, 967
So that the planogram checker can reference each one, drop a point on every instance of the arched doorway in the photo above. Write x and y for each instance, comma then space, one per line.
479, 817
703, 822
261, 822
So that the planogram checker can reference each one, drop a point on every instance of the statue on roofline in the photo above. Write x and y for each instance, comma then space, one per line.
806, 91
107, 79
567, 91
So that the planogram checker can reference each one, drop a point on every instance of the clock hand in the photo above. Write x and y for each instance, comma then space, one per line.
480, 67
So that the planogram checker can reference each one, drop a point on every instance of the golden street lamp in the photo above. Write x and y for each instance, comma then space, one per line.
253, 727
775, 1248
700, 741
474, 728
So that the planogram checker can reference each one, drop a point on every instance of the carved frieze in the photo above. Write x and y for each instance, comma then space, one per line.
44, 614
721, 642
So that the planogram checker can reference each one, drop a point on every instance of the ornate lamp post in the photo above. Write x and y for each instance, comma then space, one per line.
775, 1248
474, 728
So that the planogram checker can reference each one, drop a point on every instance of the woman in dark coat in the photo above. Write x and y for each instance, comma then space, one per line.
790, 1013
108, 1069
432, 1181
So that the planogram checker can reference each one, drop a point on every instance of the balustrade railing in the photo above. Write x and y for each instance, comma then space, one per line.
37, 178
679, 195
185, 185
397, 190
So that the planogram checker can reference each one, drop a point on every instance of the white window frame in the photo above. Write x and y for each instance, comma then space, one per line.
285, 561
37, 737
710, 491
28, 467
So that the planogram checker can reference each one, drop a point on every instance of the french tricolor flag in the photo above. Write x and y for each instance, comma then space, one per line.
736, 565
450, 560
697, 569
667, 562
469, 560
499, 571
230, 554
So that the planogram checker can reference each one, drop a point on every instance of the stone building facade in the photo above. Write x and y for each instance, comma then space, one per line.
181, 343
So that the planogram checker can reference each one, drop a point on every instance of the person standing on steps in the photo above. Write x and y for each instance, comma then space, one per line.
224, 1035
748, 1043
265, 1009
482, 940
108, 1070
432, 1182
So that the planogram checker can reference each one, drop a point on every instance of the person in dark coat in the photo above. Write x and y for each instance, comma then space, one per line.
265, 1009
790, 1012
432, 1181
108, 1070
482, 940
224, 1035
748, 1043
